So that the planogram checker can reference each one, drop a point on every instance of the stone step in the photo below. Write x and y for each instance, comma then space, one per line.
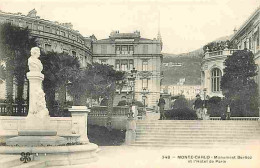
147, 136
7, 161
32, 164
195, 135
194, 139
159, 131
197, 128
194, 121
195, 142
197, 146
199, 124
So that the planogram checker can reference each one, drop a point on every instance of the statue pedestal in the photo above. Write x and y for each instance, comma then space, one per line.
79, 116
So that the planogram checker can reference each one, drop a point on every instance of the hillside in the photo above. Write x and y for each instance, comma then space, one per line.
190, 66
190, 69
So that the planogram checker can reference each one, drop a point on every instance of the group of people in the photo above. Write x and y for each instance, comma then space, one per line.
201, 110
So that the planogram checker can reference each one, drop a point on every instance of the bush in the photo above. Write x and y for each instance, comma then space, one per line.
180, 103
215, 106
181, 114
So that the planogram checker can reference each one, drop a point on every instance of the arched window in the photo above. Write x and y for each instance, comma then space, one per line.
215, 80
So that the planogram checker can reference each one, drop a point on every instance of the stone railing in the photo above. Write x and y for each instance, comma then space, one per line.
102, 111
98, 116
224, 52
238, 118
3, 110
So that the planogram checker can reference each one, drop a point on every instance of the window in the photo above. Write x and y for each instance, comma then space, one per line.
244, 44
131, 49
53, 31
74, 54
145, 83
20, 24
215, 80
118, 49
40, 27
62, 33
124, 65
117, 66
47, 47
65, 50
47, 29
145, 49
124, 50
145, 65
131, 64
103, 49
250, 45
29, 25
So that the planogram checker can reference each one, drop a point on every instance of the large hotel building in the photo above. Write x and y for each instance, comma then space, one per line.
128, 51
50, 36
247, 36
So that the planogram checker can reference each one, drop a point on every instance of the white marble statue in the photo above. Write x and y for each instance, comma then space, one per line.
34, 63
37, 103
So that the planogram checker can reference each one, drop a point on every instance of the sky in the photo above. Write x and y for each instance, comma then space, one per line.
185, 25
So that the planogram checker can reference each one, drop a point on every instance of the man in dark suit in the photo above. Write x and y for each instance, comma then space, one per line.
161, 105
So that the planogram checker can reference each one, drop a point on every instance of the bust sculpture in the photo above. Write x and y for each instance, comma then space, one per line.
34, 63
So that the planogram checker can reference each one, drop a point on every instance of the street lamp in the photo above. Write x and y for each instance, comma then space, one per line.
132, 78
144, 92
205, 91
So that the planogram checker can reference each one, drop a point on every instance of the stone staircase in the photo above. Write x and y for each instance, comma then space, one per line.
196, 133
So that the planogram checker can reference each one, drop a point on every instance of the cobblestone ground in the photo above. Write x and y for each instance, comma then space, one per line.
156, 157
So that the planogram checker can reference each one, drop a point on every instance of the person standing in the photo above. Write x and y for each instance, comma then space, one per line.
228, 113
198, 106
161, 105
134, 110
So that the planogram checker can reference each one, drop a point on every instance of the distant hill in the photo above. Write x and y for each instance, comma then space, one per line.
190, 69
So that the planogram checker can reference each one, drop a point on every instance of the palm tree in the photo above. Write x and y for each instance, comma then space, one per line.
58, 69
15, 45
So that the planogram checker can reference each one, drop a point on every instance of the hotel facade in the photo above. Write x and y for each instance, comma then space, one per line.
50, 36
128, 51
247, 36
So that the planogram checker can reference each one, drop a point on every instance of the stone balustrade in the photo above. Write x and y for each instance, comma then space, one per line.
224, 52
98, 116
3, 109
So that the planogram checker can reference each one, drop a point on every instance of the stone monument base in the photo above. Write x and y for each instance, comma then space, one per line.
36, 141
36, 138
56, 155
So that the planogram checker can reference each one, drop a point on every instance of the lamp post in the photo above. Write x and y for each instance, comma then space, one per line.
132, 78
205, 91
144, 93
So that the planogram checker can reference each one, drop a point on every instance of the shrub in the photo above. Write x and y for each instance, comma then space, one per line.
181, 114
180, 103
215, 106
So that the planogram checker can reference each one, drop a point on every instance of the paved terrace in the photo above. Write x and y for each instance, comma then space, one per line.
152, 157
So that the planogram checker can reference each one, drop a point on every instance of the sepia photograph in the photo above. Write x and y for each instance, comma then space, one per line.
129, 83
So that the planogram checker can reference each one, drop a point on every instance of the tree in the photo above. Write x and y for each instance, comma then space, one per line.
15, 45
95, 81
59, 69
238, 85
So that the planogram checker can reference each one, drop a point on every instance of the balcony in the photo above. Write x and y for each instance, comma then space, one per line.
219, 54
124, 52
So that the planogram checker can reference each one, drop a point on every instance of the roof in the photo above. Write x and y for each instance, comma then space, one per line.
246, 23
